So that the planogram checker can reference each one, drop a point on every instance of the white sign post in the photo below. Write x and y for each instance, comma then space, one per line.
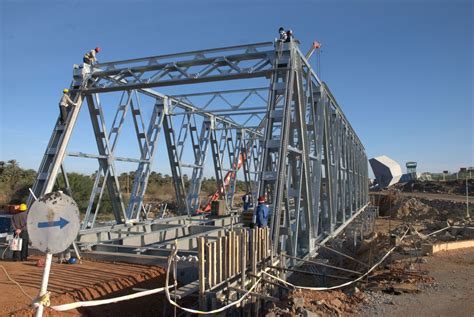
53, 224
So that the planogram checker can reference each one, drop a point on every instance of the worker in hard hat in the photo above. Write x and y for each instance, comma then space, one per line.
19, 226
64, 103
262, 212
282, 33
289, 35
64, 256
90, 57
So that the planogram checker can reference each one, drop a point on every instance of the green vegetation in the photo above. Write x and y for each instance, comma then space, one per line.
15, 181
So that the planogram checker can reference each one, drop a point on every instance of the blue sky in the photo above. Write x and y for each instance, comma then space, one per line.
401, 70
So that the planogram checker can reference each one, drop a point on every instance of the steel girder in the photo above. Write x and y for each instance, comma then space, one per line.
147, 139
314, 166
57, 145
238, 62
299, 148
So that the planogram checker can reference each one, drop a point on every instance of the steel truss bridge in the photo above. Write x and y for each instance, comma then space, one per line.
263, 104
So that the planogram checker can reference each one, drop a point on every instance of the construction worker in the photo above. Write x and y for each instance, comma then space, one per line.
65, 102
246, 199
262, 212
283, 35
90, 57
19, 225
289, 36
64, 256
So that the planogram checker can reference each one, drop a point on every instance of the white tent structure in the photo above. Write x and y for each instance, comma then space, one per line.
386, 171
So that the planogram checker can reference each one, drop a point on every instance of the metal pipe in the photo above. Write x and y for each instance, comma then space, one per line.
310, 273
44, 283
323, 264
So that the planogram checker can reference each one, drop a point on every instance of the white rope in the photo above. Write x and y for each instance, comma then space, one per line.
200, 312
106, 301
15, 282
341, 285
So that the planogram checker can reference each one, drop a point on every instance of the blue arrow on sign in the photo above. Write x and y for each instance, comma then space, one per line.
60, 223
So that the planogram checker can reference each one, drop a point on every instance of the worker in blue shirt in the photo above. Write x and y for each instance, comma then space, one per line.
262, 212
246, 199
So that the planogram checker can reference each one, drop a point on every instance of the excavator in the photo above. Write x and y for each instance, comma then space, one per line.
226, 182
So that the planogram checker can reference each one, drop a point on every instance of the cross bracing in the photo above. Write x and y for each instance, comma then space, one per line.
288, 140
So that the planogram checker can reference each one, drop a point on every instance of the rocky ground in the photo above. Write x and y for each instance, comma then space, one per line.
407, 283
449, 291
457, 187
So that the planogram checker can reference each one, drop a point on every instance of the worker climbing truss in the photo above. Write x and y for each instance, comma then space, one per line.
265, 117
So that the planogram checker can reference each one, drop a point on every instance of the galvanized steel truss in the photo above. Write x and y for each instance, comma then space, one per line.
298, 148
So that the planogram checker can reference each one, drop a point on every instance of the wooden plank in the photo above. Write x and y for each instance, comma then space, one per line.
256, 244
243, 258
230, 253
233, 253
266, 242
214, 264
254, 265
259, 242
226, 257
201, 269
248, 245
254, 254
219, 260
209, 263
237, 252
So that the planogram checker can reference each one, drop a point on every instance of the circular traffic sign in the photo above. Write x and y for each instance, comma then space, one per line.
53, 222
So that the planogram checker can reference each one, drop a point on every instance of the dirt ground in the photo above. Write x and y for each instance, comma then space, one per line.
446, 289
451, 197
79, 282
406, 283
441, 196
455, 187
450, 294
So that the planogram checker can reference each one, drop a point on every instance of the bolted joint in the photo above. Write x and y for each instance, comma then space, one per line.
210, 121
163, 104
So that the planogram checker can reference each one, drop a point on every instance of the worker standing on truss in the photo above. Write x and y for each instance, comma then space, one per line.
64, 103
283, 35
90, 57
262, 212
289, 35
